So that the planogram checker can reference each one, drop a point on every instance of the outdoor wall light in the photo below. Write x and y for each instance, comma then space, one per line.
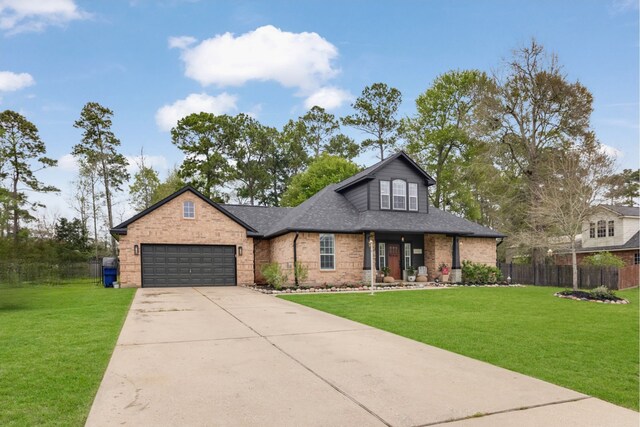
239, 250
136, 250
402, 238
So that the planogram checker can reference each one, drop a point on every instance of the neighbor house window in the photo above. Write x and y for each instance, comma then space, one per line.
382, 261
407, 255
611, 228
592, 230
602, 228
327, 252
399, 194
413, 196
188, 210
636, 258
385, 195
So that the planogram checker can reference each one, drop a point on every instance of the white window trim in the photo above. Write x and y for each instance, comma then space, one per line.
183, 210
382, 254
407, 254
409, 187
388, 195
393, 195
333, 237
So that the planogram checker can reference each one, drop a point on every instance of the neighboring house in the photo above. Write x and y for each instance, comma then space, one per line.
615, 229
186, 239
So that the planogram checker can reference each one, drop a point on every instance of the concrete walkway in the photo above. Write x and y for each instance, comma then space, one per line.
234, 357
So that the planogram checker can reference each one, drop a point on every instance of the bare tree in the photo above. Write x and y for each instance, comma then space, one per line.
574, 182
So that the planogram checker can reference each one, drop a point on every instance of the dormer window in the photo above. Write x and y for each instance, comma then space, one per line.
602, 228
188, 210
399, 195
611, 228
385, 195
592, 230
413, 196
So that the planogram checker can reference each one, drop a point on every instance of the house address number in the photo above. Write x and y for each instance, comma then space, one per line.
417, 251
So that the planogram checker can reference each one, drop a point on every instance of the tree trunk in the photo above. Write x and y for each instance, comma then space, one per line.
16, 214
381, 151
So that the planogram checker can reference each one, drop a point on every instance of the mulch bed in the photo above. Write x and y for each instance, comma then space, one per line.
588, 296
362, 288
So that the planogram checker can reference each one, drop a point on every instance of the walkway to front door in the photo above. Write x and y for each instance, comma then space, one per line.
229, 356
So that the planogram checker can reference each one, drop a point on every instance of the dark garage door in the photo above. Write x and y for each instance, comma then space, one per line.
188, 265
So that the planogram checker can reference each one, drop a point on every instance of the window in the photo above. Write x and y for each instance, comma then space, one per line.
385, 198
611, 228
382, 261
327, 252
602, 228
399, 194
592, 230
407, 255
188, 210
636, 258
413, 196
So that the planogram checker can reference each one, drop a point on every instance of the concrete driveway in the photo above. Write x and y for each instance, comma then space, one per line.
234, 357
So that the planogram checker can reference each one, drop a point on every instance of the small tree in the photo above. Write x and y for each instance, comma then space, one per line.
575, 182
323, 171
603, 259
376, 111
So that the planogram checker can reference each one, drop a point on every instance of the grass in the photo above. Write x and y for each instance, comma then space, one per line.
588, 347
55, 344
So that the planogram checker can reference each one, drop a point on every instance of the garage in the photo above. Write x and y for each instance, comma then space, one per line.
188, 265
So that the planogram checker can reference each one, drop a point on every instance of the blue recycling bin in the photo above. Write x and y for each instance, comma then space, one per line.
109, 271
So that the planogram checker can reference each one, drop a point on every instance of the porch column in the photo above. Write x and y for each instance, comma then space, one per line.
366, 261
456, 271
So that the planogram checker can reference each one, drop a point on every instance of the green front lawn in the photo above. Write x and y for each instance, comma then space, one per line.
585, 346
55, 343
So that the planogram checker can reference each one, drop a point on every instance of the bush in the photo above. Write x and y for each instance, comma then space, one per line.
479, 273
603, 293
301, 272
274, 275
603, 259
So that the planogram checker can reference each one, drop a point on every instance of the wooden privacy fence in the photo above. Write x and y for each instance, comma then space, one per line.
629, 276
589, 277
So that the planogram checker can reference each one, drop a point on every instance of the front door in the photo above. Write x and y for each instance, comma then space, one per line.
393, 259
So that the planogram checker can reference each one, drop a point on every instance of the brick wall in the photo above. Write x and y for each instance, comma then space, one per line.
438, 250
349, 249
166, 225
262, 256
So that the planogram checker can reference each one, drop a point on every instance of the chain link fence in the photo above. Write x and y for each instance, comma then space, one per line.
33, 273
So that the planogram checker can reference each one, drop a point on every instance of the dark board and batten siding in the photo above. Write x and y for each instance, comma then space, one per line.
358, 196
188, 265
397, 169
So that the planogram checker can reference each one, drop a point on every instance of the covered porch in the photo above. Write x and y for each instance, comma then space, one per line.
401, 251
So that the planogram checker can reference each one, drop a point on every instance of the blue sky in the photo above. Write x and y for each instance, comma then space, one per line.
151, 61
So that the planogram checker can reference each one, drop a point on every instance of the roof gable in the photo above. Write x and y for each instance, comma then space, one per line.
122, 227
370, 172
622, 210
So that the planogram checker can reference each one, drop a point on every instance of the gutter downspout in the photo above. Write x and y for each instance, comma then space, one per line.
295, 259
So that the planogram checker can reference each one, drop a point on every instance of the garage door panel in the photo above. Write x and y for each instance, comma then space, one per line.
188, 265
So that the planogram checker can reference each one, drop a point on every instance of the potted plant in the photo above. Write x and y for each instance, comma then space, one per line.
387, 278
411, 274
444, 272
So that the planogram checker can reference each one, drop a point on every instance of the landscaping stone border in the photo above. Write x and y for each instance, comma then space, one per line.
620, 301
362, 288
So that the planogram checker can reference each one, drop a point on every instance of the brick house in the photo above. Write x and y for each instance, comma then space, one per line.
611, 228
188, 240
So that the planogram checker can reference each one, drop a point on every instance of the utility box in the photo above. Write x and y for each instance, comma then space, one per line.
109, 271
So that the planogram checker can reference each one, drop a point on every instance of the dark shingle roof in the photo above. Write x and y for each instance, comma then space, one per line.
632, 243
624, 210
330, 211
369, 172
262, 218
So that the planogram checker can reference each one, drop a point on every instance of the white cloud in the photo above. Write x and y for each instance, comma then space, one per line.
18, 16
159, 163
300, 60
328, 98
181, 42
168, 115
68, 163
610, 151
10, 81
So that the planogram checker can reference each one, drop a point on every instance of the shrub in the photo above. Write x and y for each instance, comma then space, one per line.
603, 293
301, 272
274, 275
479, 273
603, 259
